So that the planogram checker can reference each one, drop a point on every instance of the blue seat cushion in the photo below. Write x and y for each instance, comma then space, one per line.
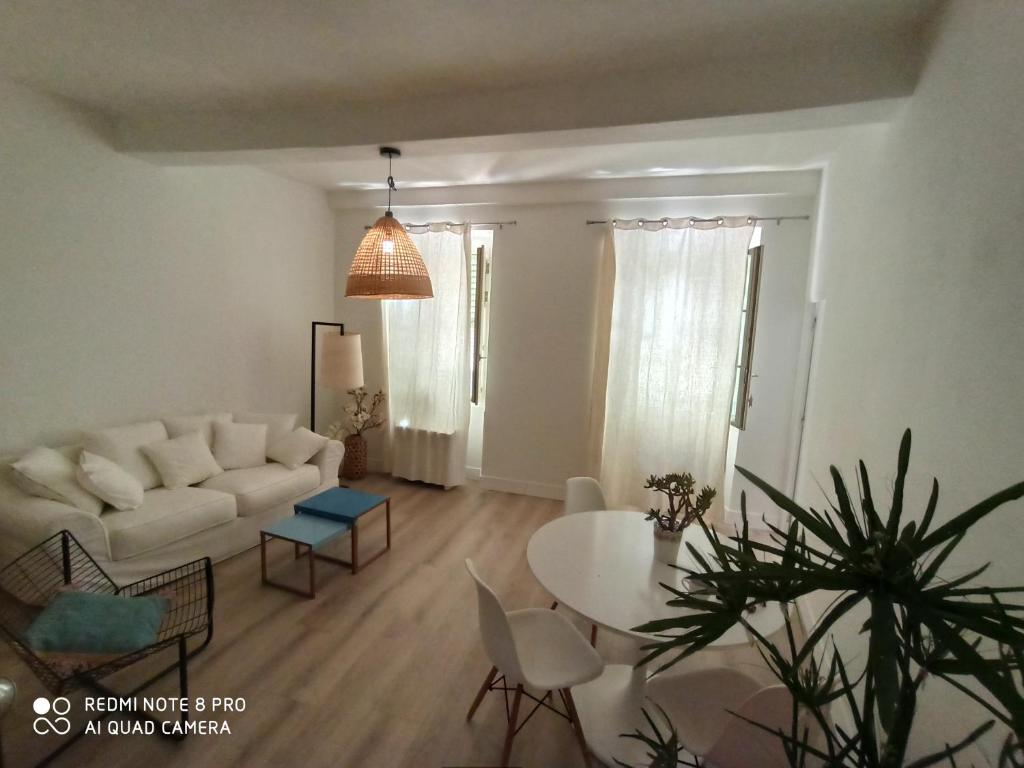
83, 627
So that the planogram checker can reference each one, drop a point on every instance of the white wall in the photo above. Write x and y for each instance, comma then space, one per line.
542, 321
129, 291
921, 272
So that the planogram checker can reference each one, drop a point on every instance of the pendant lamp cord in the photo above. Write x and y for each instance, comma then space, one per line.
391, 182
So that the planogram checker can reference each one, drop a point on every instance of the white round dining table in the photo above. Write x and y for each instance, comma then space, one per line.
601, 565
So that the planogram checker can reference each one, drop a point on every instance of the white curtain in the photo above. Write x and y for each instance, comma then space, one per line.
428, 363
671, 353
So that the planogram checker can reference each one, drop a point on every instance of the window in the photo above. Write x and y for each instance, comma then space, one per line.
673, 332
741, 397
428, 341
479, 310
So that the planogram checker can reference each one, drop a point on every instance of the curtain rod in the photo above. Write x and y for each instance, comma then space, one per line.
498, 224
751, 219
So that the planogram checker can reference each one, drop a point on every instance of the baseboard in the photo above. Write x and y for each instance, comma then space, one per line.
523, 487
472, 473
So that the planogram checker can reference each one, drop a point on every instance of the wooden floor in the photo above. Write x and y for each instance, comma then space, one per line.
379, 670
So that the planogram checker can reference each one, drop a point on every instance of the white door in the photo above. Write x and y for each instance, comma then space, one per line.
767, 445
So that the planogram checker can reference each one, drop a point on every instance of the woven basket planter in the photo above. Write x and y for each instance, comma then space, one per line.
354, 465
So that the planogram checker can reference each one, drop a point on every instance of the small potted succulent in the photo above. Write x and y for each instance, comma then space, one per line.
685, 507
360, 417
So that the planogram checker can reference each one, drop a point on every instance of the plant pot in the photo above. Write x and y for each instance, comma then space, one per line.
353, 467
666, 544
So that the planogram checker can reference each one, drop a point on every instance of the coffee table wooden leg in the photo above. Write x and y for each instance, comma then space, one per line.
355, 564
263, 557
355, 547
312, 573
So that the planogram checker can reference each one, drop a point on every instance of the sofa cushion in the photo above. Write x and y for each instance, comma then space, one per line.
123, 446
295, 449
259, 488
50, 474
166, 516
109, 481
183, 460
239, 446
278, 424
203, 423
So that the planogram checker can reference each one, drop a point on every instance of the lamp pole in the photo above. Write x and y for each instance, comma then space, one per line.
312, 374
8, 690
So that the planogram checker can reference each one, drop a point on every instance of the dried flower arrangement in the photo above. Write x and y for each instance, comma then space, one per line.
360, 417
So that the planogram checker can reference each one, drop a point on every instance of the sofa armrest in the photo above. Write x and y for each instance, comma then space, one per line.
27, 520
328, 460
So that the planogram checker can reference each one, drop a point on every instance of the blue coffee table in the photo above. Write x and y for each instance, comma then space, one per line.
317, 521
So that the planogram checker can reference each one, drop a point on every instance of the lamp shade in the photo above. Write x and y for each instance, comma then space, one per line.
341, 365
387, 265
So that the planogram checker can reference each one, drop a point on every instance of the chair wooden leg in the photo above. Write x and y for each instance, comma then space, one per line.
577, 726
483, 690
510, 734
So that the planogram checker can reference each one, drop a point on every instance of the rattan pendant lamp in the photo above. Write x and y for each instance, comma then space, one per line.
387, 264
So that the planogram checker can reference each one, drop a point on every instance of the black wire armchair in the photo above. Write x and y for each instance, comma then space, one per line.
28, 584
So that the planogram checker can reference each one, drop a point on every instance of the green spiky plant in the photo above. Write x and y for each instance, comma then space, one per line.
921, 624
664, 750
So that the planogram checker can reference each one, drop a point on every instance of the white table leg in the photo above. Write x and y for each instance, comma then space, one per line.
611, 705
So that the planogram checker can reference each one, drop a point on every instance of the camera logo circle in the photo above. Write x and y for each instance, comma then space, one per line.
59, 724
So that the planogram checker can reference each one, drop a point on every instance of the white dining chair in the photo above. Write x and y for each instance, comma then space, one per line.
701, 704
534, 648
583, 494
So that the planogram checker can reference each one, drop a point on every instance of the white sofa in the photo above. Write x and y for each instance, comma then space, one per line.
217, 518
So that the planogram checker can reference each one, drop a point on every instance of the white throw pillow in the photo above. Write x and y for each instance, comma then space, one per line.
297, 448
183, 461
278, 424
110, 482
182, 425
123, 446
50, 474
238, 446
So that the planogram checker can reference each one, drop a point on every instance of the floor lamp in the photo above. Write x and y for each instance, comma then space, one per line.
341, 366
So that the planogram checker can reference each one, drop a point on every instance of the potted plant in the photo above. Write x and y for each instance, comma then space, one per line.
360, 417
685, 507
923, 624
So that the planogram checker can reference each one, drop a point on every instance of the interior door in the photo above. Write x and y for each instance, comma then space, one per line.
766, 444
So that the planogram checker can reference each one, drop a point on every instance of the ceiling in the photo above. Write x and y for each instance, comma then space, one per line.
475, 92
126, 57
747, 144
